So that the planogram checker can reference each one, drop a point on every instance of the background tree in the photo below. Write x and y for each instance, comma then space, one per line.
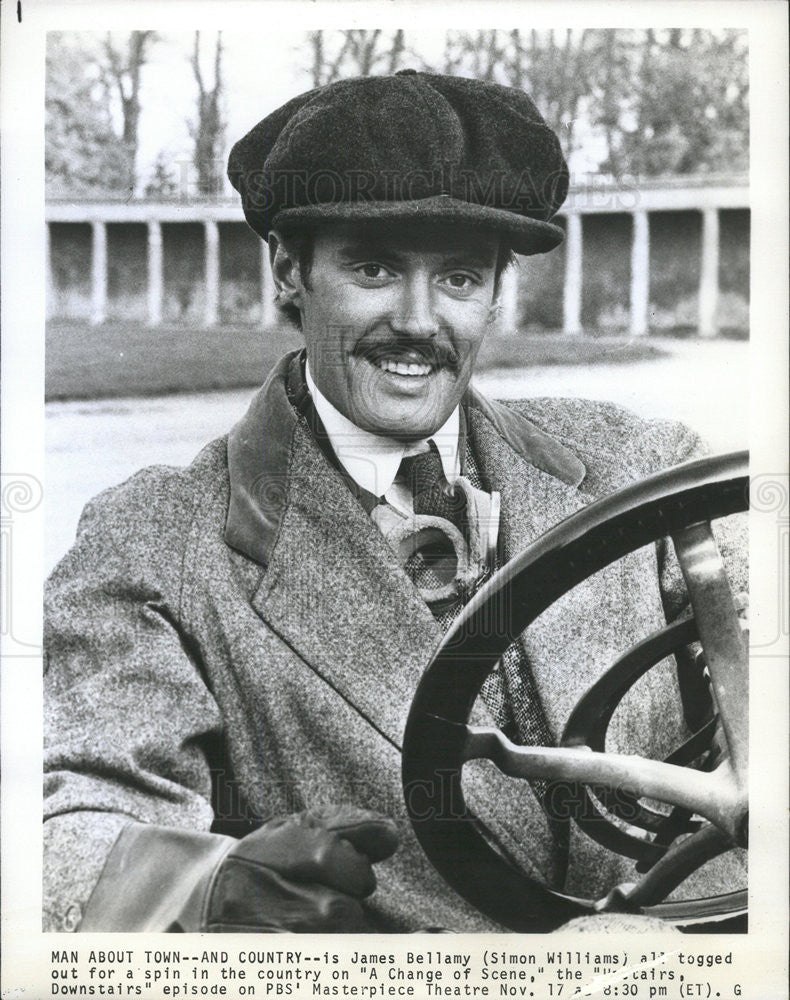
83, 154
208, 129
161, 183
686, 110
659, 102
553, 67
122, 71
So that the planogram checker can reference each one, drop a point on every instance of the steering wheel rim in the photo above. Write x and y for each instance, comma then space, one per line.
438, 740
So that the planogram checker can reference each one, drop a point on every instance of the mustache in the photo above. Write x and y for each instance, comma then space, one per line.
429, 352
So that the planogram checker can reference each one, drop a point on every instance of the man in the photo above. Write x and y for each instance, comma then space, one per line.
233, 647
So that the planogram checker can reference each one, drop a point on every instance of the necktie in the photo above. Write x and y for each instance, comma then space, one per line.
434, 562
430, 490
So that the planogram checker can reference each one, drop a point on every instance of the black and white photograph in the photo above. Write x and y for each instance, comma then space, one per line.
389, 495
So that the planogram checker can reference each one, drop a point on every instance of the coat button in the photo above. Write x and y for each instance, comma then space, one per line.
71, 920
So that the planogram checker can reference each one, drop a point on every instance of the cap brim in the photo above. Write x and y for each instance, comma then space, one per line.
524, 235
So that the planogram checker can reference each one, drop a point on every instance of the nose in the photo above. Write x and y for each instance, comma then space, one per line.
415, 313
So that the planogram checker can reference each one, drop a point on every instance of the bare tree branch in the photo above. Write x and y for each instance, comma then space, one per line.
396, 51
368, 48
209, 128
196, 64
125, 75
334, 67
317, 45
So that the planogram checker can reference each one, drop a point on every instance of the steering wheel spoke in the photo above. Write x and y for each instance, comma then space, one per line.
710, 795
681, 860
720, 633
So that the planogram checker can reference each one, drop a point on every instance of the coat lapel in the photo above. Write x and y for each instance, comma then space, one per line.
533, 498
335, 593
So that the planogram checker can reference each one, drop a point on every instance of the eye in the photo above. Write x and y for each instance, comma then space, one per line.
371, 271
459, 281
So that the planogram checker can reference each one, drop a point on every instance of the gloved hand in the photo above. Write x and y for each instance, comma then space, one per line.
306, 872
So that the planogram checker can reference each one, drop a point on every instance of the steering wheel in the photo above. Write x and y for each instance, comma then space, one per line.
709, 805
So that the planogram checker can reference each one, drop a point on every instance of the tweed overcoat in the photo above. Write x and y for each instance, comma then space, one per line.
239, 632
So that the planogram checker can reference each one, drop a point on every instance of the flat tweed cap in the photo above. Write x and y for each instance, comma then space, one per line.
409, 146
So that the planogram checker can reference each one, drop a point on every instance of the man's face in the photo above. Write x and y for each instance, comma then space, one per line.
393, 318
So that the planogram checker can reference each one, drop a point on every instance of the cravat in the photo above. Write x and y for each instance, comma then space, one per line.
430, 490
433, 563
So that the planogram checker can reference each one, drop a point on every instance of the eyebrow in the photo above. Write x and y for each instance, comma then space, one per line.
362, 249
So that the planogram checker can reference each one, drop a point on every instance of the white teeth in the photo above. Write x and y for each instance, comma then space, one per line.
403, 367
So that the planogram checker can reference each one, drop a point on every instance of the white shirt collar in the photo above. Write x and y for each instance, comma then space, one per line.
371, 460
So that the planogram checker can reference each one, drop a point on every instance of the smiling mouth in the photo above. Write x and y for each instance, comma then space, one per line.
409, 368
412, 361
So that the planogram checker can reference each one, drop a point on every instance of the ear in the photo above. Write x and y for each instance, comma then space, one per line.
285, 271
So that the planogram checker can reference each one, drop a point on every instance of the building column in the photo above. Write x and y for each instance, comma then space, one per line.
51, 291
99, 272
155, 273
572, 292
709, 276
268, 290
211, 309
640, 274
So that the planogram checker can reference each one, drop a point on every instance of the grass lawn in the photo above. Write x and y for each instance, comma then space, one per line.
540, 349
130, 359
